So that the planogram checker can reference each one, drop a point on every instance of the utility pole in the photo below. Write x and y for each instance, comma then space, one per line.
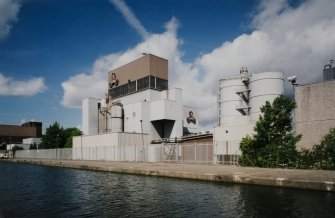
56, 144
142, 140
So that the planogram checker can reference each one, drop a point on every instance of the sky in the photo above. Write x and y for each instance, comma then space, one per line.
54, 53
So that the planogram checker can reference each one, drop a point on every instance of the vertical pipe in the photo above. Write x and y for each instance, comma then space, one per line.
106, 120
161, 152
218, 100
207, 159
215, 153
226, 151
81, 146
142, 139
195, 153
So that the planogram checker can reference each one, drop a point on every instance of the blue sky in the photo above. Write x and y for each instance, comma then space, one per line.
54, 53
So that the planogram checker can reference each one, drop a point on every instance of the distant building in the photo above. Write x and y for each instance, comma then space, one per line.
12, 134
32, 141
23, 146
239, 100
329, 71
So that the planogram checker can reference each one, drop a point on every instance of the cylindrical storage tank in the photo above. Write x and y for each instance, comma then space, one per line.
264, 87
116, 124
230, 100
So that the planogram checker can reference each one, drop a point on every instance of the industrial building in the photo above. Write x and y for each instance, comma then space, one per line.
238, 108
138, 111
14, 134
315, 112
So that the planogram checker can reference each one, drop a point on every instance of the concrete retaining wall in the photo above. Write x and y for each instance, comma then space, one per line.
322, 180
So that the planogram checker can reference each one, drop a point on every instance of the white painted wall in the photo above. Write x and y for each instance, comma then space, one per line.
32, 141
152, 105
111, 146
132, 116
24, 146
145, 95
230, 136
90, 116
163, 109
101, 140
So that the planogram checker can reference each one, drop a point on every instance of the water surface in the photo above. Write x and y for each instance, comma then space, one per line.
40, 191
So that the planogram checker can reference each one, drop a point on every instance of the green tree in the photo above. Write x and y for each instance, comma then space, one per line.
33, 146
273, 144
324, 153
249, 153
54, 137
69, 133
16, 148
305, 159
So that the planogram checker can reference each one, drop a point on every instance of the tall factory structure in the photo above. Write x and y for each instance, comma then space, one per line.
238, 108
138, 108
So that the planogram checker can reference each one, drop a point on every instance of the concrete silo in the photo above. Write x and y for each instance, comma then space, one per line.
116, 120
264, 87
228, 100
233, 94
238, 108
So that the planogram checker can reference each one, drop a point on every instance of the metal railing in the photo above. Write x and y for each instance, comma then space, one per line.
187, 153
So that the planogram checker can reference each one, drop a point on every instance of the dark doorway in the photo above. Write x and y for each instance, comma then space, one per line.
163, 127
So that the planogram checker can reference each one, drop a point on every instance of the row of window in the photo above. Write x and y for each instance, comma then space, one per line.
138, 85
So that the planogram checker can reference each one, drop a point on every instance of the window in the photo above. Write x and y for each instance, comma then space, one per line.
152, 82
143, 83
119, 91
161, 84
132, 86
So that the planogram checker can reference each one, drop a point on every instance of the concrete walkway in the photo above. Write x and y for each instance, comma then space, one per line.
322, 180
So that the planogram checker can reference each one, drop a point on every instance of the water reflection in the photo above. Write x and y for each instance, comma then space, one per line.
29, 191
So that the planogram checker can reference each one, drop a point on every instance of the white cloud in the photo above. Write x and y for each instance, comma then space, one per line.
95, 84
300, 40
8, 14
130, 17
11, 87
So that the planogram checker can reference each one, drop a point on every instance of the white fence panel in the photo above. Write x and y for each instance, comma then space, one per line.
186, 153
60, 153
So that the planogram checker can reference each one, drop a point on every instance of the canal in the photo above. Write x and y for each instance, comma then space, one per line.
40, 191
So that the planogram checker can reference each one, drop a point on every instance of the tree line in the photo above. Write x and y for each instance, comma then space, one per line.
57, 137
274, 144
